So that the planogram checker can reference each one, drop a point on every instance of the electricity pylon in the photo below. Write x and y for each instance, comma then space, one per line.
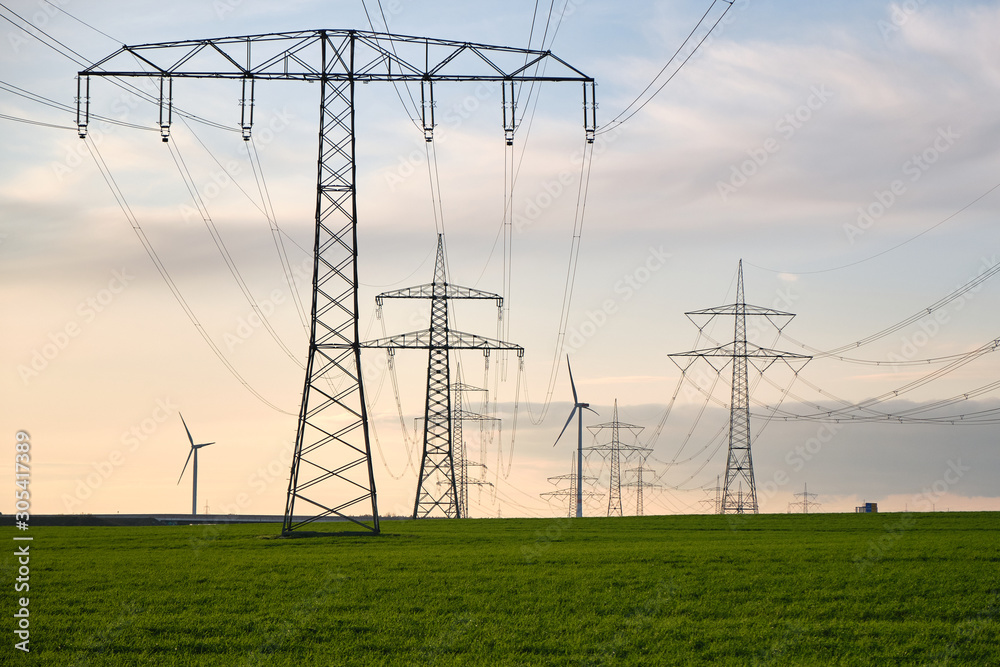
331, 469
639, 484
805, 503
739, 463
613, 449
714, 502
459, 415
574, 497
437, 490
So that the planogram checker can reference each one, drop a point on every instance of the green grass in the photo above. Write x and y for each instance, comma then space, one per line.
754, 590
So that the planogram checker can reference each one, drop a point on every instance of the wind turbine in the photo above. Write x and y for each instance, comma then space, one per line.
193, 451
578, 409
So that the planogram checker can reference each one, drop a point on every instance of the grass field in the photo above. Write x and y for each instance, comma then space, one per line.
772, 589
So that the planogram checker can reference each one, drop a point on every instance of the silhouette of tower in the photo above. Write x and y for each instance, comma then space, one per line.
437, 490
739, 462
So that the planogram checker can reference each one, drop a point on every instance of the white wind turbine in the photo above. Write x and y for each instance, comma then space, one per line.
578, 409
194, 452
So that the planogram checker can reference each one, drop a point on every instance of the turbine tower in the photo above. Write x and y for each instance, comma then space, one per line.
331, 472
739, 462
437, 490
194, 470
578, 409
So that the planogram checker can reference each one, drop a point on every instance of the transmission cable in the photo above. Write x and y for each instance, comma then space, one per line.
887, 250
161, 268
85, 63
206, 217
621, 118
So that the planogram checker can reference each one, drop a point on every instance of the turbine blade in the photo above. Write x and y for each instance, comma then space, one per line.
587, 407
568, 422
571, 383
190, 452
187, 429
204, 444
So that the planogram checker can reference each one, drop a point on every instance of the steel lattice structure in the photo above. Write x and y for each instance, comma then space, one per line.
614, 449
805, 503
575, 493
739, 462
639, 485
331, 469
459, 415
436, 487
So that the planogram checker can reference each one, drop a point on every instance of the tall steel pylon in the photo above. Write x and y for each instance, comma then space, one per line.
437, 490
614, 449
739, 462
331, 471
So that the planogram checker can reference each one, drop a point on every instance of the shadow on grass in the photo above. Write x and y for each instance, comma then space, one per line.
298, 534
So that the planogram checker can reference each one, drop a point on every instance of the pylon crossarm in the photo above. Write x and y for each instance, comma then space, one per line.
427, 292
457, 340
733, 309
409, 59
752, 351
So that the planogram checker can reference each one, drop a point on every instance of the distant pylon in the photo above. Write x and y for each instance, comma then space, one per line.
805, 503
437, 491
571, 493
639, 485
459, 415
714, 502
739, 463
614, 449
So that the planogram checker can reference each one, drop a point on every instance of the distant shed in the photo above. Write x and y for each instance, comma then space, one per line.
867, 508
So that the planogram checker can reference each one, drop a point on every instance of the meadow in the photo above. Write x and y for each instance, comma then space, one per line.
822, 589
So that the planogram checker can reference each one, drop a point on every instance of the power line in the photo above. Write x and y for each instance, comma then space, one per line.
890, 249
161, 268
625, 115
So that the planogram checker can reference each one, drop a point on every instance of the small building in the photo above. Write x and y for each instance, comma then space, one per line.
867, 508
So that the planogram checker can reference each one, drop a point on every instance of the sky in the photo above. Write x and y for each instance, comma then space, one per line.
846, 153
